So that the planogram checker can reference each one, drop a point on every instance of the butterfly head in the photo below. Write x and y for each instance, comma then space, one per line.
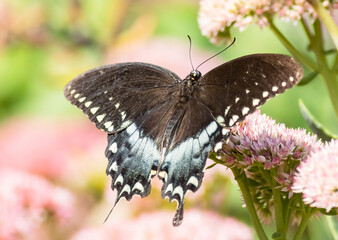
194, 75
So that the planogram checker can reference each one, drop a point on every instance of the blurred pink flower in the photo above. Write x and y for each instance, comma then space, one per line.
49, 147
217, 15
27, 200
197, 225
317, 178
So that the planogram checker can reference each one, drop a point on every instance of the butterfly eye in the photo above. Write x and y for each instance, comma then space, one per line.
195, 75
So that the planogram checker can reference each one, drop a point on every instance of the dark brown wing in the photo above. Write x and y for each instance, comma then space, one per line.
114, 96
236, 88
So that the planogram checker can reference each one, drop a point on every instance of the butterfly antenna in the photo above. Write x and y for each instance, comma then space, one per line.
190, 53
217, 53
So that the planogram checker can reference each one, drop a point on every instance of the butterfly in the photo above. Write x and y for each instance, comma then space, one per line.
160, 124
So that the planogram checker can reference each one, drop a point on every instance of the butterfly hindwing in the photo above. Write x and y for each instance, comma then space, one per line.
235, 89
193, 138
123, 92
134, 154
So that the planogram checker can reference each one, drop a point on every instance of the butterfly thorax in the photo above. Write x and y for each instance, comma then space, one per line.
186, 88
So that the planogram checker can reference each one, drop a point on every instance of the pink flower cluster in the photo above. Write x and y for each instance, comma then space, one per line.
317, 178
216, 15
197, 225
268, 153
26, 201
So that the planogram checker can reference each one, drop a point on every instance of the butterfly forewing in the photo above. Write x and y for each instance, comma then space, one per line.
236, 88
113, 96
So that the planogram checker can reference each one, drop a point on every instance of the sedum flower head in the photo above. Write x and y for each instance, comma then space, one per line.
268, 154
217, 15
316, 178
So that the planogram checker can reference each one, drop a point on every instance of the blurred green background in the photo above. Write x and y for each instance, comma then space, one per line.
44, 44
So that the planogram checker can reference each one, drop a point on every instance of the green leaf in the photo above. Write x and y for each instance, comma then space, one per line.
211, 166
333, 212
213, 157
276, 235
307, 79
315, 125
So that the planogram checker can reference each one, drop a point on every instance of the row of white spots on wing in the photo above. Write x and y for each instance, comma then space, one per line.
123, 115
255, 101
218, 146
113, 147
110, 98
119, 179
226, 110
82, 99
100, 117
247, 91
138, 186
152, 173
105, 92
169, 188
291, 79
108, 124
274, 88
193, 180
113, 167
256, 83
283, 84
77, 95
179, 191
233, 120
245, 110
265, 94
163, 175
126, 189
87, 104
225, 131
237, 99
117, 105
93, 110
220, 120
72, 92
125, 124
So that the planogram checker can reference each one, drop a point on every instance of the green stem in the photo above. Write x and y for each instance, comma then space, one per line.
306, 28
305, 220
243, 185
326, 18
332, 227
307, 62
279, 212
329, 75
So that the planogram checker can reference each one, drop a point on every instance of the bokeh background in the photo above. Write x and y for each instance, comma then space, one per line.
52, 164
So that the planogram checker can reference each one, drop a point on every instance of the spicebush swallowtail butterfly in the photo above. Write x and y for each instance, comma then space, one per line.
159, 124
